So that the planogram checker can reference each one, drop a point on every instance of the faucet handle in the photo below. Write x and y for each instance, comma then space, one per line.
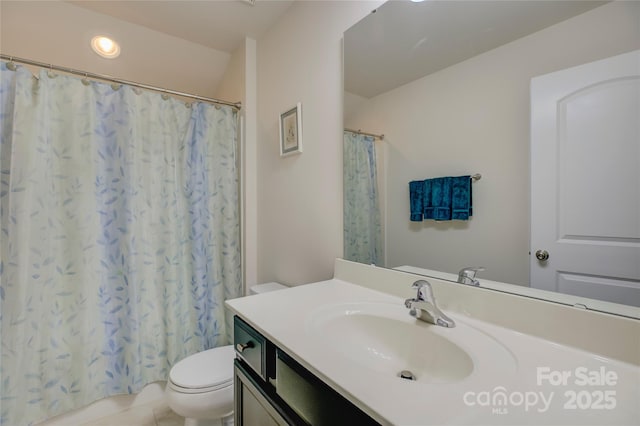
425, 292
473, 269
470, 271
420, 283
467, 275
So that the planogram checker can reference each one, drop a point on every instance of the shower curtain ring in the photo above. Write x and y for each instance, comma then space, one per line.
85, 80
11, 66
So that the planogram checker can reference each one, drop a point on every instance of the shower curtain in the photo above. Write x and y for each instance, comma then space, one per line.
119, 238
363, 240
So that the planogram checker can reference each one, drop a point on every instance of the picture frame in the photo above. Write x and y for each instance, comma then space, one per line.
291, 131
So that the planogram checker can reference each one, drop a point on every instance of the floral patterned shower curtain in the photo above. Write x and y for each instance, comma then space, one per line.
363, 240
119, 238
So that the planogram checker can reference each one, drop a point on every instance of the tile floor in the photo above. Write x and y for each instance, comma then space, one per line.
143, 415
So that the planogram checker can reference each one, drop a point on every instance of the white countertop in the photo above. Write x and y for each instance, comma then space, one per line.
284, 318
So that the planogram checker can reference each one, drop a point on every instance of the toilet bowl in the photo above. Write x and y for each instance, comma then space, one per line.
200, 387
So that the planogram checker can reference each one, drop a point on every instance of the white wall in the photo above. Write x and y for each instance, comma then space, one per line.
231, 84
471, 118
59, 33
300, 197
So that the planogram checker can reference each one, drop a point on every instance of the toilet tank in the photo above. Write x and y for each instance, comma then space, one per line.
265, 288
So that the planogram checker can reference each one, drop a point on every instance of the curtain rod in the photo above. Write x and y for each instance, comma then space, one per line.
236, 105
360, 132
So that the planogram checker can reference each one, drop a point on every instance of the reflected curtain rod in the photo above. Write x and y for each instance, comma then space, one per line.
236, 105
360, 132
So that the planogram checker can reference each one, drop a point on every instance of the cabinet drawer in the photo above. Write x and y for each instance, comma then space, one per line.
250, 346
312, 399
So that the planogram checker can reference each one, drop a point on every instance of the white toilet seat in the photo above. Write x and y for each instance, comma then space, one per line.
181, 389
203, 371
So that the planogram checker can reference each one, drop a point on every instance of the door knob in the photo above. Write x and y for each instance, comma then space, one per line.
542, 255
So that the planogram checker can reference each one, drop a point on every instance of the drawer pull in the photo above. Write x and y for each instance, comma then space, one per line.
240, 347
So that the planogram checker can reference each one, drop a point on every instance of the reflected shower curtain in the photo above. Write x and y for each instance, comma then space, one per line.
363, 240
119, 238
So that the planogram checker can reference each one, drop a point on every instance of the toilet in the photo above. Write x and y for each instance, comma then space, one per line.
200, 387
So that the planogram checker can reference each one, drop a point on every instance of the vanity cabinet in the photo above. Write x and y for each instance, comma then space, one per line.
253, 405
271, 388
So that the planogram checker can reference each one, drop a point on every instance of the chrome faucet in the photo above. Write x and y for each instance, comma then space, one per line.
468, 275
424, 307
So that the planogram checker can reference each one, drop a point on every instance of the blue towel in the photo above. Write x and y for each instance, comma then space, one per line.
440, 207
441, 199
461, 200
426, 204
416, 199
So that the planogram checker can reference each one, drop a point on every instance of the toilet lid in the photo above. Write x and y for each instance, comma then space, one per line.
204, 369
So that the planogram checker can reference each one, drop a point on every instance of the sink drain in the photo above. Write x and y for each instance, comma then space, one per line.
407, 375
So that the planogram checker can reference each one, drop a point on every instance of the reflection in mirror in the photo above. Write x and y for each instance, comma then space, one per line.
363, 233
541, 99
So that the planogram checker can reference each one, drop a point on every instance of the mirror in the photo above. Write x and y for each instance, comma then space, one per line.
449, 85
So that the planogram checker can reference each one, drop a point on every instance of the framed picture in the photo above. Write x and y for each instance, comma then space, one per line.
291, 131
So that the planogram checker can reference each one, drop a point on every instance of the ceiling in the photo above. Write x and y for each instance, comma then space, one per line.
218, 24
403, 41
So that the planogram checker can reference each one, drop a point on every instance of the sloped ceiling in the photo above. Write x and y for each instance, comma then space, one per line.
219, 24
403, 41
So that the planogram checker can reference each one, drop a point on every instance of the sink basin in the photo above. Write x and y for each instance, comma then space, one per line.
384, 338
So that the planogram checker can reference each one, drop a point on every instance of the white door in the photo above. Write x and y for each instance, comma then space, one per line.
585, 180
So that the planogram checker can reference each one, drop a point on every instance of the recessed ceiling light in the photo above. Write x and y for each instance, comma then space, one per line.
105, 47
